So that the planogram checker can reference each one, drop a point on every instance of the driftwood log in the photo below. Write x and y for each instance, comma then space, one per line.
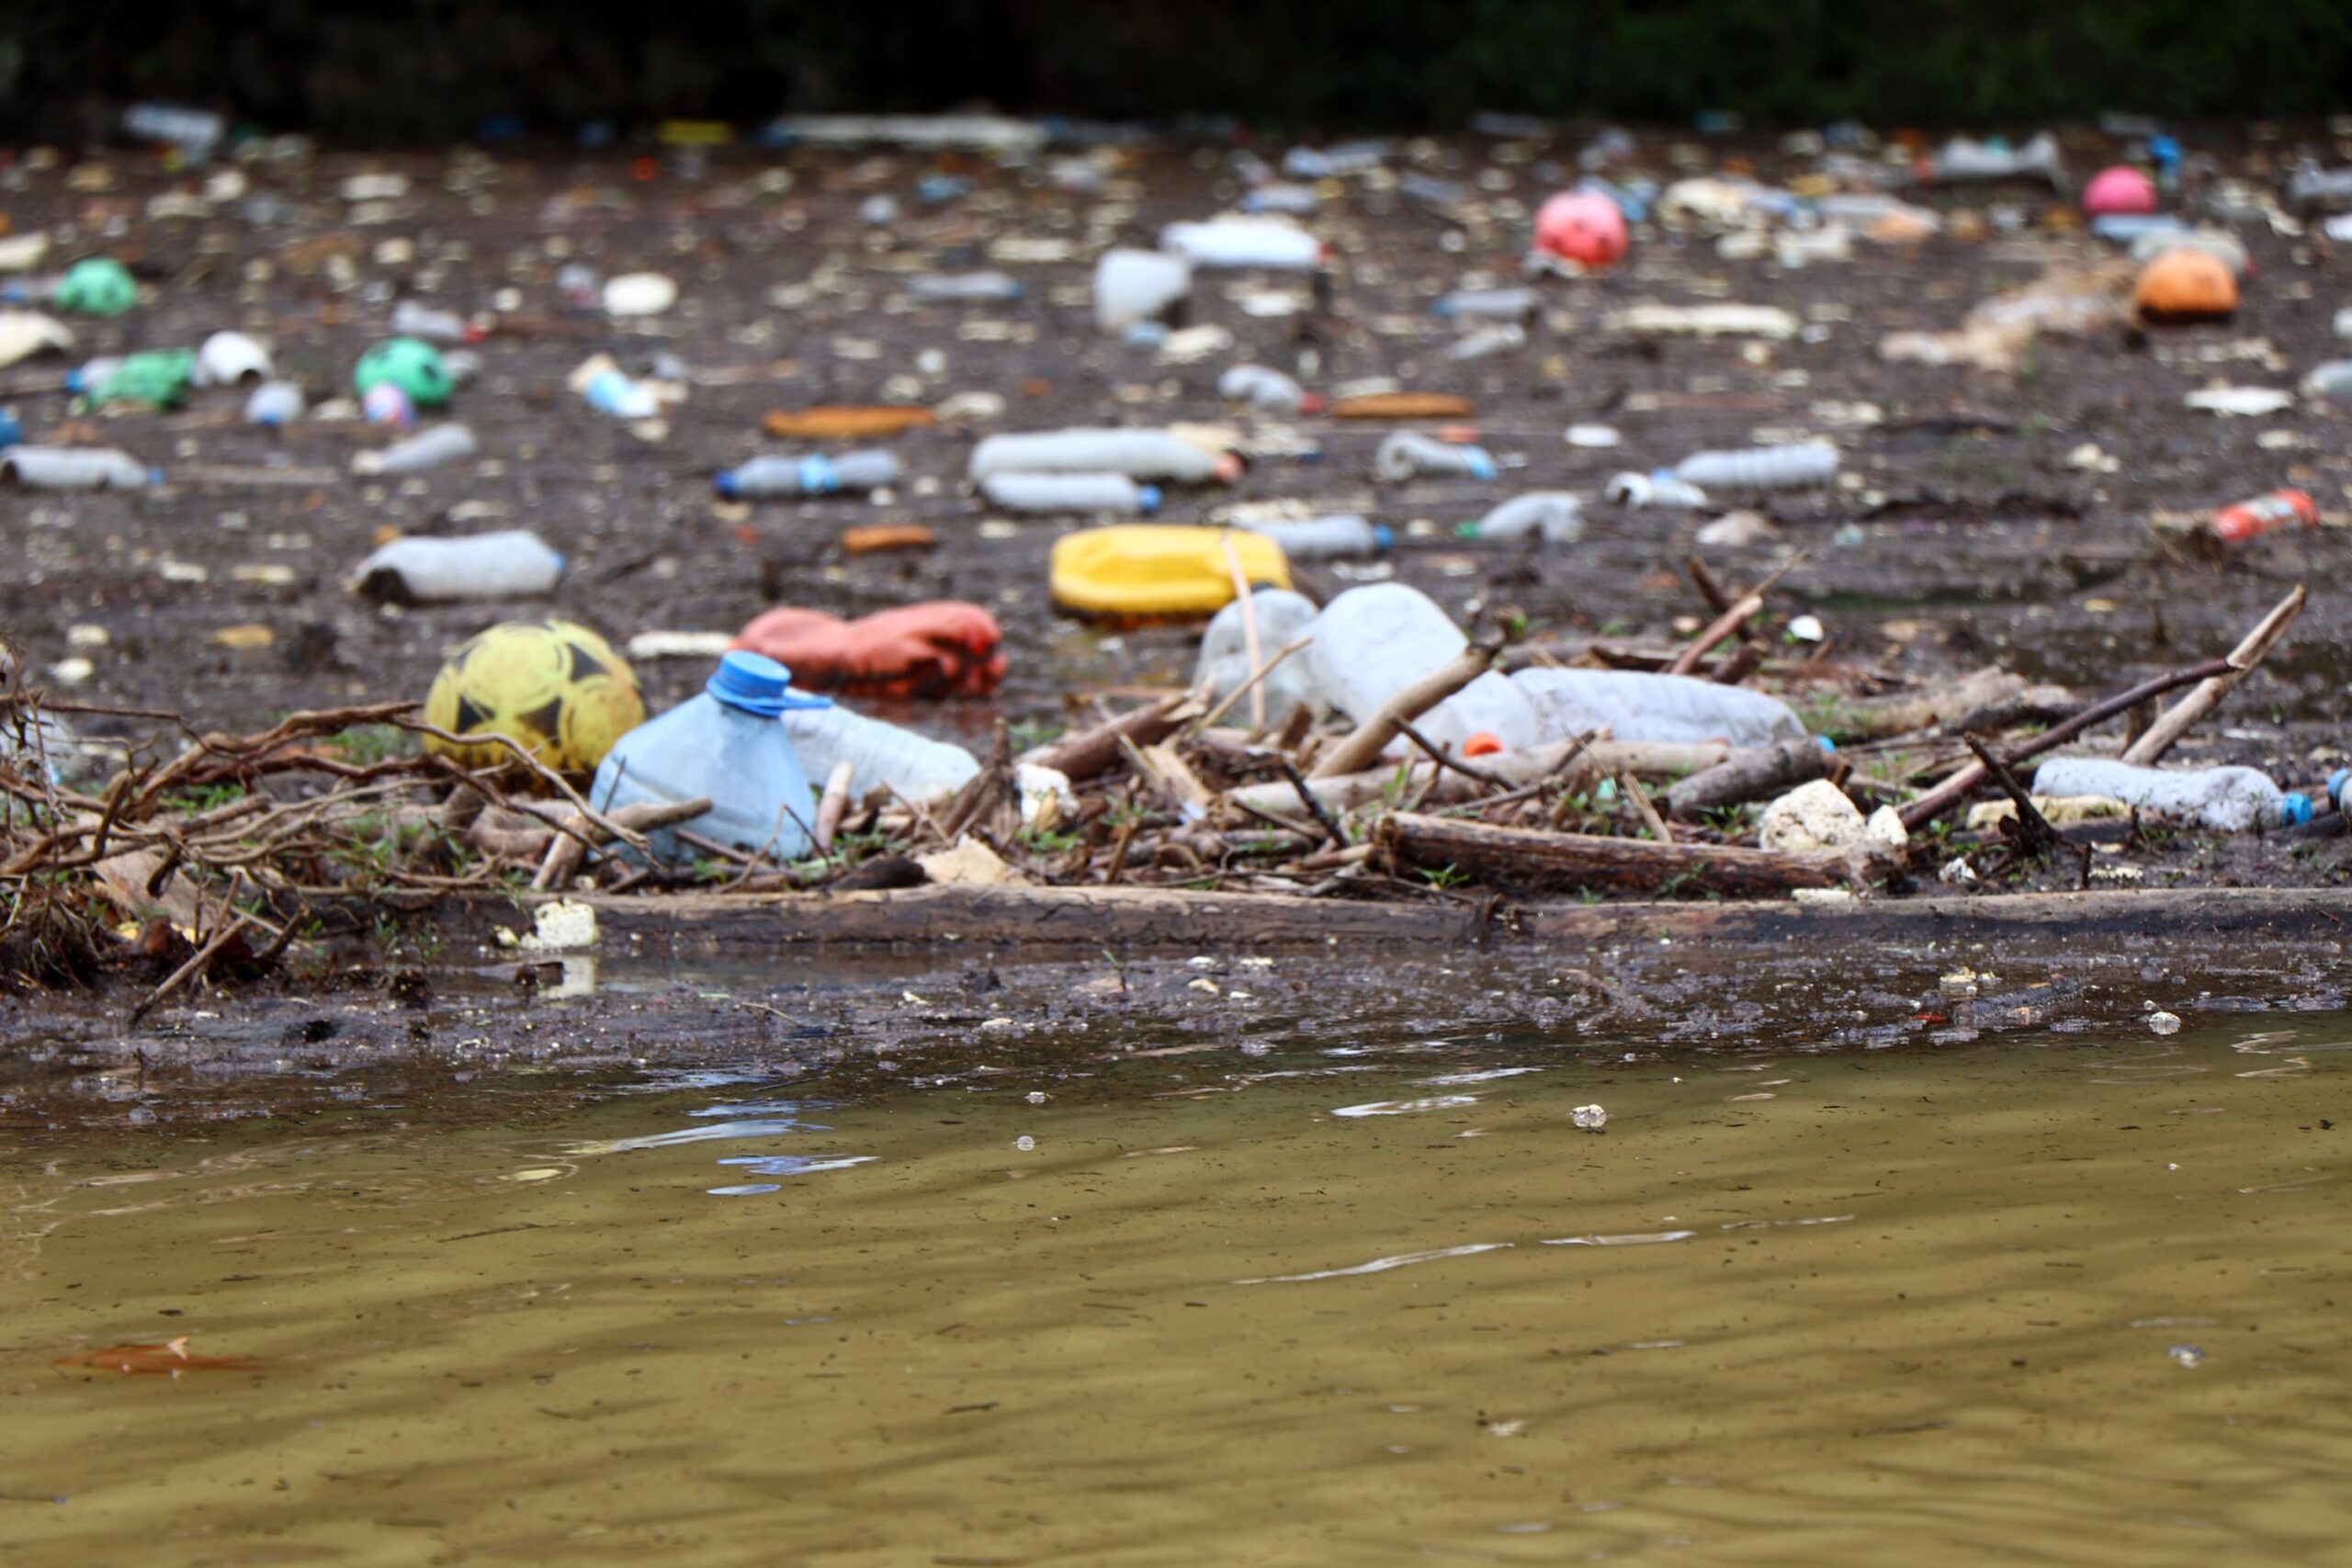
1750, 775
1093, 751
1520, 857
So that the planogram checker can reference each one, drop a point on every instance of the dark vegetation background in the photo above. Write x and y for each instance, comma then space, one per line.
432, 69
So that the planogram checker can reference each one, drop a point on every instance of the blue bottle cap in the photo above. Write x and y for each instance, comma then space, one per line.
2295, 809
1827, 744
1147, 499
723, 482
1384, 538
1482, 467
750, 682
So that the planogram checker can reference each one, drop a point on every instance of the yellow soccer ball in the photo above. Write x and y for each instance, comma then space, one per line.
556, 688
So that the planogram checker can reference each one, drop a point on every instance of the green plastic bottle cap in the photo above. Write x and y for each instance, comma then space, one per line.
414, 366
99, 286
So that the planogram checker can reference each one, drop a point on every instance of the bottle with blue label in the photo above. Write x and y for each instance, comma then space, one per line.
815, 475
725, 746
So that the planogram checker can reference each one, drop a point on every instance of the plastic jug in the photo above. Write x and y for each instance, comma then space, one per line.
1373, 641
1112, 493
1150, 569
1225, 653
1137, 454
1636, 705
724, 746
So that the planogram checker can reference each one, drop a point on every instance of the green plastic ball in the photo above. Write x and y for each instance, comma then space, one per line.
99, 286
415, 367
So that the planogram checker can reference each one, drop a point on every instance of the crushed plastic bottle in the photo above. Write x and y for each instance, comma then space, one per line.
95, 286
1112, 494
881, 755
1268, 389
1405, 456
1340, 537
2228, 800
1138, 286
160, 379
1555, 515
724, 746
1372, 642
512, 563
1588, 1118
1660, 488
2251, 519
76, 467
1795, 467
813, 475
1640, 706
1282, 616
1137, 454
425, 450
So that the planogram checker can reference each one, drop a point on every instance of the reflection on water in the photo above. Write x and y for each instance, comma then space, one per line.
2074, 1304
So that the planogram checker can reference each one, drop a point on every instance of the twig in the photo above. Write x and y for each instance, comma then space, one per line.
193, 967
2036, 836
1373, 736
2179, 718
1258, 673
1438, 754
1723, 625
1313, 803
1631, 790
1248, 630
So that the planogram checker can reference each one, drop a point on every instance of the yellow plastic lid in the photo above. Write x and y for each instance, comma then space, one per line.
1159, 569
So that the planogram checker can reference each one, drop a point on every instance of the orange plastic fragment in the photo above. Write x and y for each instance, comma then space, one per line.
1404, 405
873, 537
846, 421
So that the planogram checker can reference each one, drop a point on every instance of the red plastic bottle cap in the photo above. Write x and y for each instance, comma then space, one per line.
1228, 468
643, 169
1481, 745
1313, 402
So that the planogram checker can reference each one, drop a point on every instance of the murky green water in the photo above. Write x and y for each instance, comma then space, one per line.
2079, 1304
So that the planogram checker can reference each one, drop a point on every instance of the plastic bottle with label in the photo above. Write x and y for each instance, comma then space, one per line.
2229, 800
512, 563
1111, 494
1796, 466
1138, 454
1637, 705
76, 467
1372, 642
425, 450
880, 754
1405, 456
814, 475
1341, 537
1555, 515
726, 747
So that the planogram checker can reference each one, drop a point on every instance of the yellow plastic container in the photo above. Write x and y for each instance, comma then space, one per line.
1144, 570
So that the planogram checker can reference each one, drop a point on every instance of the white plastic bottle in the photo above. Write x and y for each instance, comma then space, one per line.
1224, 664
1405, 456
814, 475
76, 467
1138, 286
1765, 467
1266, 243
412, 319
231, 359
273, 404
724, 746
1137, 454
1636, 705
1659, 490
1489, 304
2229, 800
610, 391
1112, 494
1494, 337
881, 754
1373, 641
1554, 515
1343, 537
425, 450
512, 563
1268, 389
965, 286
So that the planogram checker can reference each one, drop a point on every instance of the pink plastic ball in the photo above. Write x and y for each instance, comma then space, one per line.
1582, 225
2119, 190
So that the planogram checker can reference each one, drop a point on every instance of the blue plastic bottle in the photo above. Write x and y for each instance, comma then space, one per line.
725, 746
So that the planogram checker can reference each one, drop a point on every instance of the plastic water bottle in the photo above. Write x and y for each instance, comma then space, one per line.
724, 746
1554, 515
1224, 664
1137, 454
193, 132
1636, 705
1489, 304
610, 391
1660, 488
1291, 200
425, 450
2331, 381
1266, 243
512, 563
1343, 537
881, 755
1138, 286
813, 475
1406, 456
2229, 800
1268, 389
412, 318
1766, 468
1494, 337
76, 467
974, 287
1115, 494
231, 359
2225, 248
1372, 642
273, 404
